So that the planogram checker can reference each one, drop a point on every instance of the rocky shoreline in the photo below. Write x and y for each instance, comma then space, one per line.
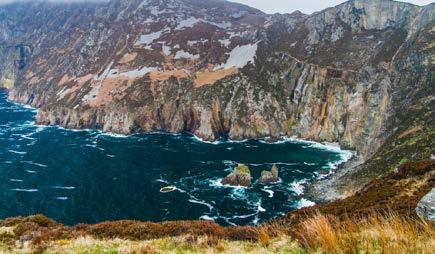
345, 74
318, 190
336, 185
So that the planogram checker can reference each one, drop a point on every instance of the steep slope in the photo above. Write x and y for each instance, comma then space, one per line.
348, 74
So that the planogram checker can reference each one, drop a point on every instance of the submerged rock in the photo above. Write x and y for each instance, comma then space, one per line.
269, 176
240, 177
168, 189
426, 207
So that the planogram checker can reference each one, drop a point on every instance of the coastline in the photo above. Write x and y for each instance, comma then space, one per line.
312, 190
334, 186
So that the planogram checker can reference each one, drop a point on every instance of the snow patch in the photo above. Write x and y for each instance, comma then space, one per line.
191, 22
166, 50
105, 73
132, 74
188, 23
193, 43
240, 56
225, 42
185, 55
147, 39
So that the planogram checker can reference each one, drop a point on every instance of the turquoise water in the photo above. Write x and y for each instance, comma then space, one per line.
88, 177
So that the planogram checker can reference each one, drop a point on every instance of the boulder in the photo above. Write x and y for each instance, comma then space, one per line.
240, 177
426, 207
269, 176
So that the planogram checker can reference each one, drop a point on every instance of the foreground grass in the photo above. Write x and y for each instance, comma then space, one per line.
377, 233
171, 245
374, 234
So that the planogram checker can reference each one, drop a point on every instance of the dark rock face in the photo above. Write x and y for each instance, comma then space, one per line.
240, 177
268, 177
217, 68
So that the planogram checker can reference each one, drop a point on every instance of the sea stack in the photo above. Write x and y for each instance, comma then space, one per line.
240, 177
271, 176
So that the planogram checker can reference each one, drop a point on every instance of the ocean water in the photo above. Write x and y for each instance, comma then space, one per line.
88, 177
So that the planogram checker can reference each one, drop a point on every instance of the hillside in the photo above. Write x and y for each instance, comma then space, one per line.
360, 74
346, 74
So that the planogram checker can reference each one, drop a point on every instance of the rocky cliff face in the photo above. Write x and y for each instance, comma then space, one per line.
215, 68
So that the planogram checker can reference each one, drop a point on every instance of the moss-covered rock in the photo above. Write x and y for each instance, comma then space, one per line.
240, 177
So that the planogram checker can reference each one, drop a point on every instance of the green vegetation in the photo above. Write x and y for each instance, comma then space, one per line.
242, 169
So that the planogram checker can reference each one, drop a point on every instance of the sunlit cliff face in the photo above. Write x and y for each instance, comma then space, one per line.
215, 68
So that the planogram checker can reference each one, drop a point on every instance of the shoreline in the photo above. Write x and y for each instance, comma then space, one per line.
309, 186
326, 189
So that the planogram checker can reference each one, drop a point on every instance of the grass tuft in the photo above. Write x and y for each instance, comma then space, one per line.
377, 233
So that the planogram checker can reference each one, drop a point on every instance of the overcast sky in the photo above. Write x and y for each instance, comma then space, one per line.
306, 6
282, 6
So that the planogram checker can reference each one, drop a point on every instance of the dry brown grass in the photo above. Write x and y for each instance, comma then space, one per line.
377, 233
210, 77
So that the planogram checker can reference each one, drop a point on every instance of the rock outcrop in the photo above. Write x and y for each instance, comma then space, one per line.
271, 176
240, 177
426, 207
215, 68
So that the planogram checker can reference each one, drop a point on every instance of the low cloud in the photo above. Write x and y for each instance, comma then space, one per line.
55, 1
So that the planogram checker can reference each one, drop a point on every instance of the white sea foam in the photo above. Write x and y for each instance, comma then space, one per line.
63, 187
217, 183
201, 202
198, 139
305, 203
27, 136
16, 180
298, 187
162, 181
26, 106
227, 220
238, 192
61, 198
310, 164
270, 192
229, 163
25, 190
113, 135
35, 164
244, 216
259, 207
285, 163
17, 152
30, 171
206, 217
